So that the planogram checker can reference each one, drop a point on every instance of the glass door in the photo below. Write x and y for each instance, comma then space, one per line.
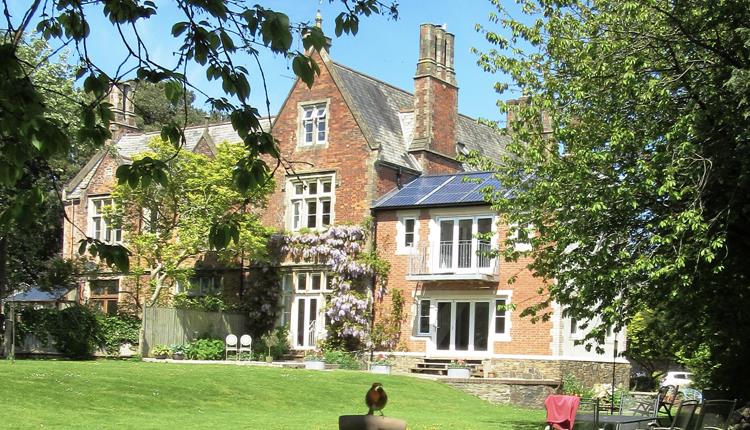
462, 325
305, 335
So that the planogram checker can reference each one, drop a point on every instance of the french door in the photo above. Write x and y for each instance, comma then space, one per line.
462, 326
306, 316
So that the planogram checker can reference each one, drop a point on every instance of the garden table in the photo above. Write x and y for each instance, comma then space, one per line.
615, 422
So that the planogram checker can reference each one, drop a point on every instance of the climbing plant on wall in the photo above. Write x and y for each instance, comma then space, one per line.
353, 271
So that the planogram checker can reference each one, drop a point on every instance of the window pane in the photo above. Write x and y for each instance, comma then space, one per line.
463, 317
327, 187
464, 242
111, 307
424, 316
326, 214
446, 244
481, 325
299, 189
321, 111
312, 188
301, 281
321, 130
500, 316
301, 322
312, 214
409, 232
315, 281
296, 214
308, 112
329, 281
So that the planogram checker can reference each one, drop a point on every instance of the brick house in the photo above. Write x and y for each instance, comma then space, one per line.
359, 146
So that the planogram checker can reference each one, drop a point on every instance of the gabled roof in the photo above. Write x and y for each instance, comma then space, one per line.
131, 144
387, 117
458, 189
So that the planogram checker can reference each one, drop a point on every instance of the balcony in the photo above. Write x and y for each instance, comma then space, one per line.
462, 260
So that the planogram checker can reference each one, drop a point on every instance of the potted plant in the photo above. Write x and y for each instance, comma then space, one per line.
271, 340
381, 364
160, 352
459, 369
315, 360
178, 352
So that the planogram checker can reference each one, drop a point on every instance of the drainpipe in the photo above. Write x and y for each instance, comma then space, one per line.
373, 248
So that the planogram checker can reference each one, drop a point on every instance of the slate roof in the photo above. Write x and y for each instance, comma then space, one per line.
388, 117
34, 294
133, 143
458, 189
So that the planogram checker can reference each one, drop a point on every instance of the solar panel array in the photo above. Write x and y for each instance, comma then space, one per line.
441, 190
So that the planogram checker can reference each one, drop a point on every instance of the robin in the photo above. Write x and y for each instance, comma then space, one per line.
376, 398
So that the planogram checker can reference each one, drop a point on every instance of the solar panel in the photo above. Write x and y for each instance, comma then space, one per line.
442, 190
414, 191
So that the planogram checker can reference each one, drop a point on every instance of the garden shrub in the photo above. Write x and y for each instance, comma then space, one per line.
118, 330
205, 349
76, 332
200, 303
572, 386
345, 359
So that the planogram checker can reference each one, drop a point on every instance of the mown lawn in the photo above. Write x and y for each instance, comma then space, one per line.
132, 395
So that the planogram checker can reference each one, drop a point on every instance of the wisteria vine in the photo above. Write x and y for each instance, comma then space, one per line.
342, 248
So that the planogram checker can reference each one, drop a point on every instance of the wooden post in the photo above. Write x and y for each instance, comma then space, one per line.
370, 422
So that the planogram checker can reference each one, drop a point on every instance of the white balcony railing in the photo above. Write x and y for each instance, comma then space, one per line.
463, 259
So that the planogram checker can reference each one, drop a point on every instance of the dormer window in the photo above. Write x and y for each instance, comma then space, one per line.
314, 129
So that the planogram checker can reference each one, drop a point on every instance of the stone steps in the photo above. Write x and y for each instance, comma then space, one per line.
439, 366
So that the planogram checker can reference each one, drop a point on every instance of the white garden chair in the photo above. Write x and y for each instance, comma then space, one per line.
231, 346
245, 346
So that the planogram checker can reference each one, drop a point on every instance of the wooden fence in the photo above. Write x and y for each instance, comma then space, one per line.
168, 326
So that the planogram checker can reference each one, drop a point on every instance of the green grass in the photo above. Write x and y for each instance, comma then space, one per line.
132, 395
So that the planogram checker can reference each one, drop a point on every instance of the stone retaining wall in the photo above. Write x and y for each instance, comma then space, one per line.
525, 393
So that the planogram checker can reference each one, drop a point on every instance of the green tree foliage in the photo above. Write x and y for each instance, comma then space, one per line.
154, 110
640, 196
168, 225
211, 34
29, 244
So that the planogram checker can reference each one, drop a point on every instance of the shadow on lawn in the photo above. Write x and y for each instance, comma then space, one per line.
523, 425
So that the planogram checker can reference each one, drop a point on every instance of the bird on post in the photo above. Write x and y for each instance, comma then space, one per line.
376, 398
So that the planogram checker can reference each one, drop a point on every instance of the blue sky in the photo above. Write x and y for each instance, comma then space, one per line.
383, 48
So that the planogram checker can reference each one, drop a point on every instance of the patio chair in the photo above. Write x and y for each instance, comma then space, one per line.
641, 406
561, 411
230, 345
245, 345
686, 417
715, 414
666, 398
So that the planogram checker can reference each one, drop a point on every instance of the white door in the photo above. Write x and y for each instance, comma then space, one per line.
306, 314
461, 326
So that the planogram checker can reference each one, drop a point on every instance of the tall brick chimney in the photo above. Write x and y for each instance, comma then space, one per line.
435, 95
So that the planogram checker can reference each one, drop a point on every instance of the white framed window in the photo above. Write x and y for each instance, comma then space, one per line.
310, 202
99, 226
312, 282
423, 317
461, 243
287, 286
522, 234
313, 124
407, 234
204, 285
501, 316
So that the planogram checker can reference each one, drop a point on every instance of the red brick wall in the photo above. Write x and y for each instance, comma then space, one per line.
434, 164
346, 152
387, 179
527, 338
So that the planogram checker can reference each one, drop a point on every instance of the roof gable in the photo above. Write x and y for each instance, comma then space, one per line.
388, 118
